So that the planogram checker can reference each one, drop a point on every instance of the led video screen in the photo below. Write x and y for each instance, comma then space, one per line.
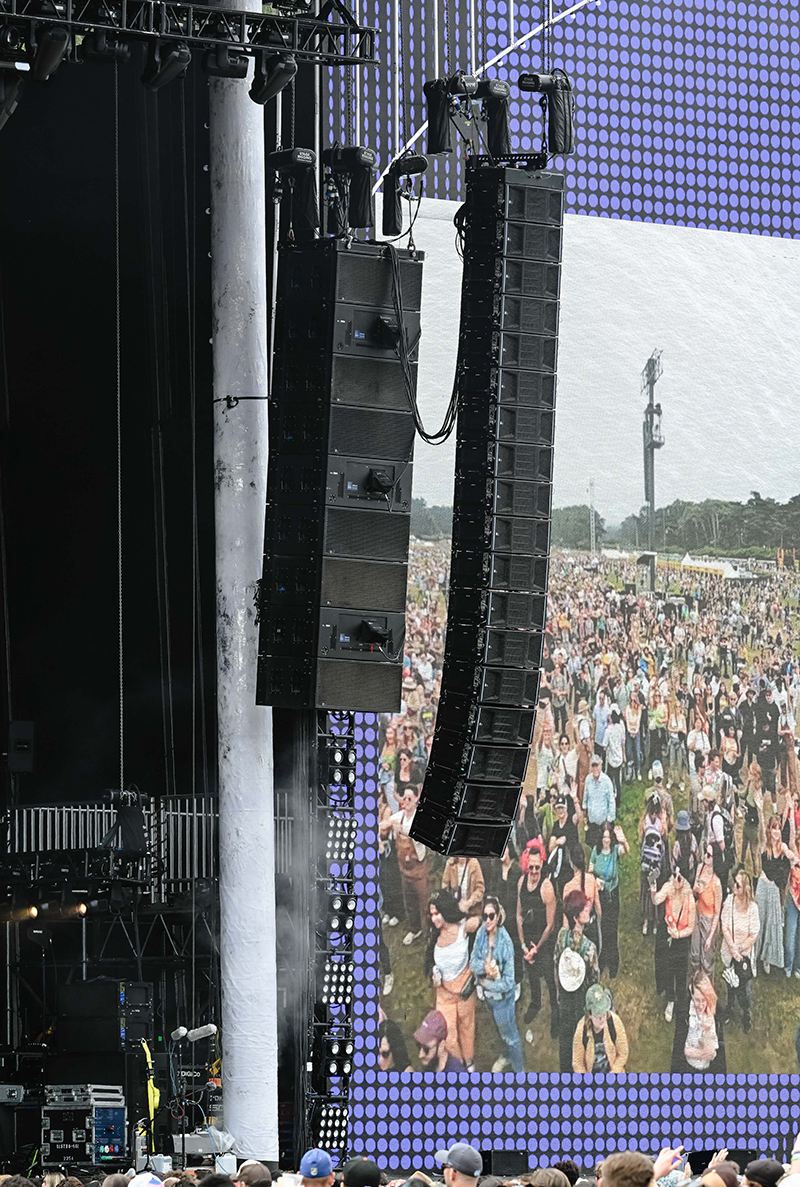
662, 783
693, 254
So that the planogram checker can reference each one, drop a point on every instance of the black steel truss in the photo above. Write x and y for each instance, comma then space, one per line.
333, 38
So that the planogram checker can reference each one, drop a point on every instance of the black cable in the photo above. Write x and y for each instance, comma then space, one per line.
448, 424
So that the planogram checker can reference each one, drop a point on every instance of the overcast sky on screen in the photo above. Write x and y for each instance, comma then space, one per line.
723, 307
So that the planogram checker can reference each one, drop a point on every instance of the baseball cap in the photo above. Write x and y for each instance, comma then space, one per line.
433, 1029
316, 1164
464, 1158
361, 1172
764, 1171
598, 1000
146, 1179
657, 770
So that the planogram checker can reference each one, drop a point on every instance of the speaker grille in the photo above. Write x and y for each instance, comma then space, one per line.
377, 433
501, 529
530, 316
364, 583
369, 688
365, 280
369, 383
367, 534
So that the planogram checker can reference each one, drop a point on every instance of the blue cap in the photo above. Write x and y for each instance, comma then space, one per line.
316, 1164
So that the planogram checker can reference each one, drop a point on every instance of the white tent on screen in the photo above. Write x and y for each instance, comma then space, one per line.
726, 569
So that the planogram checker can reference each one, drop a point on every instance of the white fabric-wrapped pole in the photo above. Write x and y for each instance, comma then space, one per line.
246, 829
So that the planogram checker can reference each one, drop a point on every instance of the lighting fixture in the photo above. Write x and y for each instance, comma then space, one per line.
165, 63
337, 983
274, 71
340, 844
51, 49
342, 762
341, 916
219, 62
99, 47
332, 1126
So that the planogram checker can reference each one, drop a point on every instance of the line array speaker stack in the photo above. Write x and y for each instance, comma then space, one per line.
502, 502
332, 601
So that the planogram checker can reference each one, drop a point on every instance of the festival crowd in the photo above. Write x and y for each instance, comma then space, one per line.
677, 712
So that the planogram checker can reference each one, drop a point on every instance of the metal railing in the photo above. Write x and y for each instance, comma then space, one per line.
182, 836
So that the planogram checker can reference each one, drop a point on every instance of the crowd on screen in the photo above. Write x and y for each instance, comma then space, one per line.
677, 713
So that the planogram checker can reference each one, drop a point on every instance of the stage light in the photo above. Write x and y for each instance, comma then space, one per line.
341, 841
495, 93
164, 64
333, 1056
293, 170
51, 49
337, 983
557, 102
341, 916
99, 47
339, 1059
62, 909
394, 190
12, 39
219, 62
18, 913
332, 1126
274, 71
342, 762
349, 187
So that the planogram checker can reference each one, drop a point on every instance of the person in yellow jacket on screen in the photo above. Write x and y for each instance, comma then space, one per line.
600, 1043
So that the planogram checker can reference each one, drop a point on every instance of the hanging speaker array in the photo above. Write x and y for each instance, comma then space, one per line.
333, 589
502, 502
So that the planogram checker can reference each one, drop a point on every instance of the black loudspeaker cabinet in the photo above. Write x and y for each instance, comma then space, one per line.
505, 1162
502, 503
106, 1016
333, 587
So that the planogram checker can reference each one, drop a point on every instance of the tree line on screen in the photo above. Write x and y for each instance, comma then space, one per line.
715, 527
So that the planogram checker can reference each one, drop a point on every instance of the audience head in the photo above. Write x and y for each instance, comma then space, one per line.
392, 1050
724, 1174
429, 1038
549, 1176
251, 1172
763, 1172
463, 1165
316, 1167
574, 904
627, 1169
361, 1172
570, 1169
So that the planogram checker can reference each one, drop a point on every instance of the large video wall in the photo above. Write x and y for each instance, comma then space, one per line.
671, 130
